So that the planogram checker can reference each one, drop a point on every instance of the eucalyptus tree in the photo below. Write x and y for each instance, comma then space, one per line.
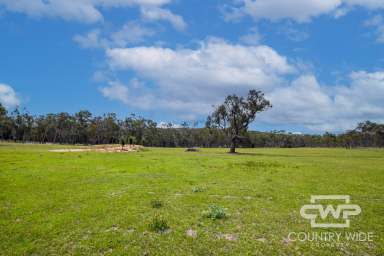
236, 114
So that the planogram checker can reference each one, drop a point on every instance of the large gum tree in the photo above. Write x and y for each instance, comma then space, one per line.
236, 114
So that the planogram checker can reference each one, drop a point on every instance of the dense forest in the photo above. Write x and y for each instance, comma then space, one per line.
84, 128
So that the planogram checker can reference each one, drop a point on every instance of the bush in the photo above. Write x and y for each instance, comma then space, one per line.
158, 224
215, 212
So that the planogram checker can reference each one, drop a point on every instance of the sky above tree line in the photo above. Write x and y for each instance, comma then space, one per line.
320, 62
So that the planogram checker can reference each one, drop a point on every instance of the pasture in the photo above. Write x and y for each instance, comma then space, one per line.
160, 201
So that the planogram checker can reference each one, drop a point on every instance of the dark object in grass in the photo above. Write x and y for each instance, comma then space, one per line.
215, 212
158, 225
156, 204
122, 143
192, 150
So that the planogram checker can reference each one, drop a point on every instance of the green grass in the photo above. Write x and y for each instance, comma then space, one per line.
102, 203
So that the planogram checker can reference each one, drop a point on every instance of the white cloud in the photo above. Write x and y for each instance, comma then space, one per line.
364, 97
116, 91
378, 23
130, 33
328, 108
299, 102
189, 81
165, 125
214, 62
299, 10
80, 10
155, 14
193, 79
341, 12
8, 96
370, 4
132, 94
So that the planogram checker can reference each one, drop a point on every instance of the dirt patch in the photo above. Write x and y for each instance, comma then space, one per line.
191, 233
106, 149
69, 150
228, 237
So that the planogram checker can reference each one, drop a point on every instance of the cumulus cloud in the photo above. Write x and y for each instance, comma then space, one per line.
8, 96
364, 97
155, 14
132, 94
84, 11
301, 101
80, 10
193, 79
214, 62
328, 108
298, 10
188, 82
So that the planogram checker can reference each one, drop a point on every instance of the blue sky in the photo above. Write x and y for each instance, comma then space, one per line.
320, 62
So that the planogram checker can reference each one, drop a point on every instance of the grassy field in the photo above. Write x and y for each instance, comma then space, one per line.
93, 203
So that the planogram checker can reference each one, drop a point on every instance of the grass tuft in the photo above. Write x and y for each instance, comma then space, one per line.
156, 204
158, 224
215, 212
197, 189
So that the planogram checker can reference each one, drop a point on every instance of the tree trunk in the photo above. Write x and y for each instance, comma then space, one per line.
232, 149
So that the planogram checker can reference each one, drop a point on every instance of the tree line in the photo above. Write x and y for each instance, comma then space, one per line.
85, 128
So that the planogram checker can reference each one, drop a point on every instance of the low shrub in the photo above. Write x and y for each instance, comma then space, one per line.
158, 224
215, 212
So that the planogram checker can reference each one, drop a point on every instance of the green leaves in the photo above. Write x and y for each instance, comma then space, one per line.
215, 212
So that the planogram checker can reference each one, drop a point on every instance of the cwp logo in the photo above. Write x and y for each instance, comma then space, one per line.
318, 213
